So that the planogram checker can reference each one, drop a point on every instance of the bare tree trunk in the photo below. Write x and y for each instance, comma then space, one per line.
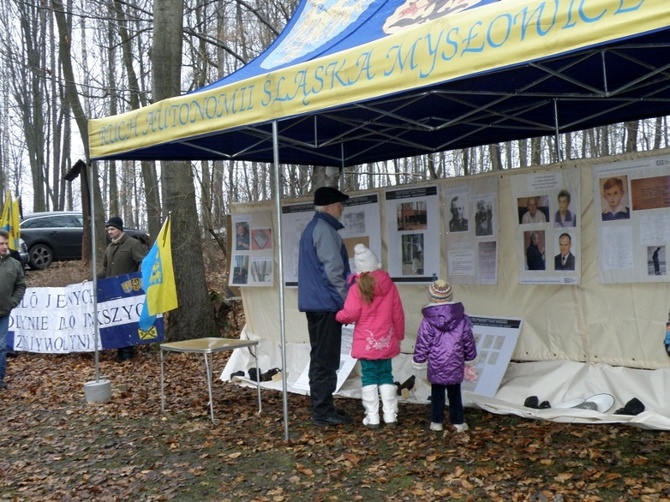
535, 151
523, 152
194, 317
149, 174
658, 132
604, 140
56, 123
568, 145
113, 207
631, 129
219, 207
496, 159
508, 155
431, 167
28, 92
72, 99
325, 176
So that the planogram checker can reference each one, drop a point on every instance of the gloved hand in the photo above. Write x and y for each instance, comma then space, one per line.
469, 374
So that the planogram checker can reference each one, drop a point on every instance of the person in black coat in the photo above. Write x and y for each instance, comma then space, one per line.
535, 255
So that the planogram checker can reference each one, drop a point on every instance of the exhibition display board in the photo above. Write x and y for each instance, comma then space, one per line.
573, 315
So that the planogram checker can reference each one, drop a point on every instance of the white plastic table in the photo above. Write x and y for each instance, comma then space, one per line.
207, 347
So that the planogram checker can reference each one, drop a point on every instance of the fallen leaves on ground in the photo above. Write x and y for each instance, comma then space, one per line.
56, 446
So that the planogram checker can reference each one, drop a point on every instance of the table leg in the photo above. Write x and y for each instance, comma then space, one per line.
258, 375
162, 388
208, 368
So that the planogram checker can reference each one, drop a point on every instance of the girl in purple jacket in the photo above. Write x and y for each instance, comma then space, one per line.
373, 303
445, 344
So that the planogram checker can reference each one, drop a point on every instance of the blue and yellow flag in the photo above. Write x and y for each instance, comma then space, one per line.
158, 279
10, 221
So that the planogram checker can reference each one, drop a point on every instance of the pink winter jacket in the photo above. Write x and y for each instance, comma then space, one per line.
380, 326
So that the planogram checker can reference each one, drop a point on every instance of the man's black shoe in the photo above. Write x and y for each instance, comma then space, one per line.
3, 385
333, 419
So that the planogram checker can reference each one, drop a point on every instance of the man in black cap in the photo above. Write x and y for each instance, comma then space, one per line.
123, 255
323, 268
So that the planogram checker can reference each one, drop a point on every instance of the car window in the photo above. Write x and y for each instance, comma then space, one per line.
53, 221
34, 223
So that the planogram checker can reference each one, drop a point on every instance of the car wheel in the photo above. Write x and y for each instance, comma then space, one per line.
40, 256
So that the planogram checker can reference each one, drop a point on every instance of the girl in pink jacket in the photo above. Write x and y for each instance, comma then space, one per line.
373, 304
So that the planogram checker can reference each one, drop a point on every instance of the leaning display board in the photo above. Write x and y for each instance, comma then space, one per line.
632, 206
496, 339
347, 363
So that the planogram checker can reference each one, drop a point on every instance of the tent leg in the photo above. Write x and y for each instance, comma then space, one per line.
280, 267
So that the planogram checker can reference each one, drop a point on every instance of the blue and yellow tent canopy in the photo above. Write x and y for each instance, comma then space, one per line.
350, 82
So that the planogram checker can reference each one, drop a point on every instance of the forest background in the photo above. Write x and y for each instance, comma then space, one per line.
65, 62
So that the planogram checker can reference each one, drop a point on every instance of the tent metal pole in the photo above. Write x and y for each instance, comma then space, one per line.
557, 133
94, 267
280, 269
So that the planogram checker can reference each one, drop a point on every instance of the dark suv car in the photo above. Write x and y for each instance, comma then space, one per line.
57, 235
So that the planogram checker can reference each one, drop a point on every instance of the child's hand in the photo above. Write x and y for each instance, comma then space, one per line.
419, 366
470, 375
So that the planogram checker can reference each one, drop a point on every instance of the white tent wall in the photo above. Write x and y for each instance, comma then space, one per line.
616, 324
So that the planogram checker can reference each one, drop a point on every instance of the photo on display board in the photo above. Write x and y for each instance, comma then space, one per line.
656, 261
614, 193
261, 270
565, 216
412, 216
354, 220
534, 244
261, 238
459, 215
534, 209
412, 254
242, 242
483, 218
241, 269
565, 259
487, 262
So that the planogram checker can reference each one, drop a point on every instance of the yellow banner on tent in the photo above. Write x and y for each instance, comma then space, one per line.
469, 42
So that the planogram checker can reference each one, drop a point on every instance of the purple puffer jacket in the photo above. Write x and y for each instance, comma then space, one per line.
446, 341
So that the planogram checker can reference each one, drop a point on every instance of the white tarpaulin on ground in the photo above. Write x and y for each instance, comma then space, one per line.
557, 382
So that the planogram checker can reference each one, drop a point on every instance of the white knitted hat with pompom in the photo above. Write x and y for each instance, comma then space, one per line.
365, 260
